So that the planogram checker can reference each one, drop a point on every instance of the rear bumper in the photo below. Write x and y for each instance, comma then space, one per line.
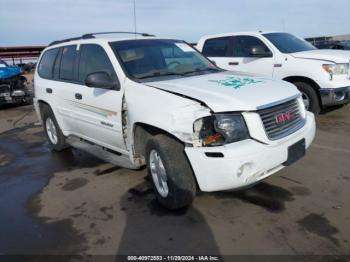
335, 96
245, 162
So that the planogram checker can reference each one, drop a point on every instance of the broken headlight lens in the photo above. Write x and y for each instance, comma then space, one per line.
221, 129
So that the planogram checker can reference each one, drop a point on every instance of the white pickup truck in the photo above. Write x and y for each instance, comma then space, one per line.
322, 76
158, 102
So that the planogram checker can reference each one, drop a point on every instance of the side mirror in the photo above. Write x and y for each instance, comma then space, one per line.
213, 62
101, 80
259, 51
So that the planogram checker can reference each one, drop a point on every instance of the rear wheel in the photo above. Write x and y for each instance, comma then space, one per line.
52, 130
172, 176
310, 97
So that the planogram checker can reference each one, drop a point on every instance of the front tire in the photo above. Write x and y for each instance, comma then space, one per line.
310, 97
173, 180
52, 130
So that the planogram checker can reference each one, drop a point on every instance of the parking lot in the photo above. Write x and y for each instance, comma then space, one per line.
73, 203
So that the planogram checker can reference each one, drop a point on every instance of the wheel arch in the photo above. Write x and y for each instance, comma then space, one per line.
47, 111
311, 82
42, 103
142, 132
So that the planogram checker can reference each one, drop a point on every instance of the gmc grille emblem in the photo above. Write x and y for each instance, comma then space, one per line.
284, 117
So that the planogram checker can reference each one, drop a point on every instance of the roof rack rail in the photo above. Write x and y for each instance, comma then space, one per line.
69, 39
92, 35
116, 32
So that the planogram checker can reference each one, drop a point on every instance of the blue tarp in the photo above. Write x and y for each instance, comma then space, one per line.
9, 71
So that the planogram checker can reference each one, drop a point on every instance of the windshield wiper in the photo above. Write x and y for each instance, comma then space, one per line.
156, 74
202, 70
161, 74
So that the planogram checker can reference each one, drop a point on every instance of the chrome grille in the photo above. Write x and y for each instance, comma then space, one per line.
275, 130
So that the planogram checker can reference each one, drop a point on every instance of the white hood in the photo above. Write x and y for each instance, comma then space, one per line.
224, 92
335, 56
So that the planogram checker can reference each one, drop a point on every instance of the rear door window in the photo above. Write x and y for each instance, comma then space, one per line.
69, 54
93, 58
45, 68
217, 47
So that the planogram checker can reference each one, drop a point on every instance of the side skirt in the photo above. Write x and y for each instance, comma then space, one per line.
103, 153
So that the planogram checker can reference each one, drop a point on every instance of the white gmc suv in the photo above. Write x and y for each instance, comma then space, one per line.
141, 100
322, 76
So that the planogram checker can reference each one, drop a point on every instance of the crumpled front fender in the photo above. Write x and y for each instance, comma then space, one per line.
183, 119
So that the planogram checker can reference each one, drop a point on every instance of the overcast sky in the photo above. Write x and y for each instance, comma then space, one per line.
28, 22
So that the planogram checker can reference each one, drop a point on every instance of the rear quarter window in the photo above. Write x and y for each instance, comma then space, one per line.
45, 68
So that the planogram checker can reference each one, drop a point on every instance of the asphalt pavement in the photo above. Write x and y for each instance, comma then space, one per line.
72, 203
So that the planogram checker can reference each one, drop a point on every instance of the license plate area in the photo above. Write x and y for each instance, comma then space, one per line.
295, 152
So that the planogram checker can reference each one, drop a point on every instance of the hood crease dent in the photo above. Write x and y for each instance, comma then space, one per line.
228, 92
181, 95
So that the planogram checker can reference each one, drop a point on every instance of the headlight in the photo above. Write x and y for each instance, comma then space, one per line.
221, 129
336, 69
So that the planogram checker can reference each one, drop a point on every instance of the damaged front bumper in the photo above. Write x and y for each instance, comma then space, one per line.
244, 163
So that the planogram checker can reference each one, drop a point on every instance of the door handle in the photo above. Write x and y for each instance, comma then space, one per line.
233, 63
78, 96
49, 90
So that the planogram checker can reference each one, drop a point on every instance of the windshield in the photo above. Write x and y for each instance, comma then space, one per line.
287, 43
159, 57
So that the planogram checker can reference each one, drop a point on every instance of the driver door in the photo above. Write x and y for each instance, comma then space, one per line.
98, 110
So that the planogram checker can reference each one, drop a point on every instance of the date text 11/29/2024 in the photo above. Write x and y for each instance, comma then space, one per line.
174, 258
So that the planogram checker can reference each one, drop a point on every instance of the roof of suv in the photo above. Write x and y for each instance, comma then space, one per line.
254, 33
102, 40
108, 37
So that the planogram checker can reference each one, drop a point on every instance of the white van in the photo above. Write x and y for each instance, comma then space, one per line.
140, 100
